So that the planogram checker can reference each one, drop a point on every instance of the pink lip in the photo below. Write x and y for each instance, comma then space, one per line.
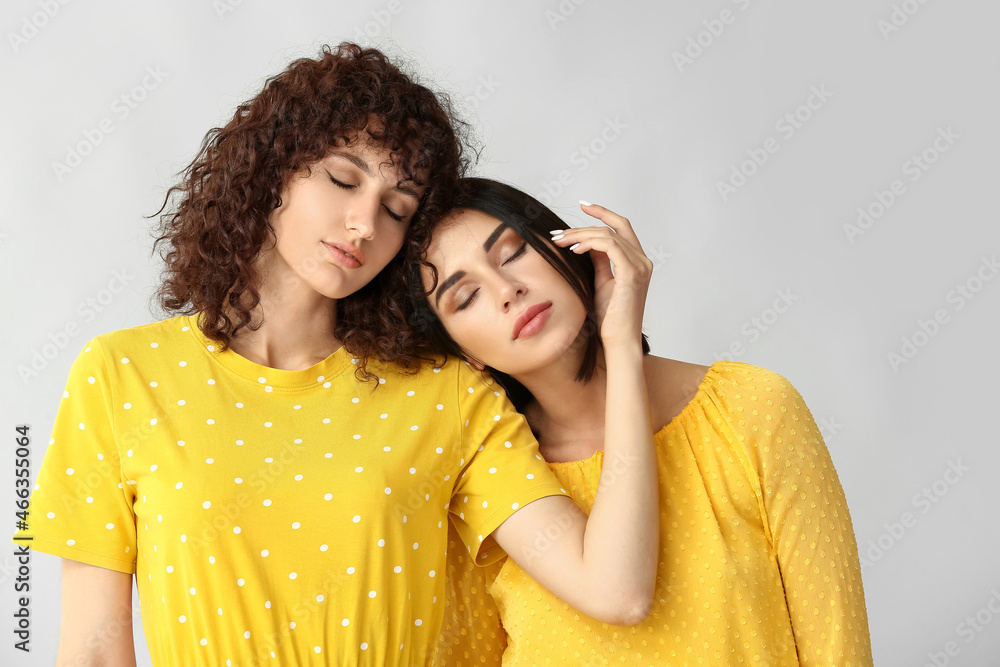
532, 320
347, 254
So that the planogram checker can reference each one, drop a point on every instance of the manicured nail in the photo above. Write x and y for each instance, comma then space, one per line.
557, 231
584, 202
558, 236
574, 246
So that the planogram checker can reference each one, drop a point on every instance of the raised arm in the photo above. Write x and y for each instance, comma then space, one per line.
96, 620
604, 565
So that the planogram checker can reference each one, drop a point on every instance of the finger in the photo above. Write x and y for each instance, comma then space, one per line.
617, 222
602, 266
626, 264
603, 239
567, 237
581, 232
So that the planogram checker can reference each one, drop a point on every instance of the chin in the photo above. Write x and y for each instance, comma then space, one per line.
336, 291
340, 288
337, 295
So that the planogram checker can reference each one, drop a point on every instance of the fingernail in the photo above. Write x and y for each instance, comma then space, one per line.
557, 237
557, 231
574, 246
584, 202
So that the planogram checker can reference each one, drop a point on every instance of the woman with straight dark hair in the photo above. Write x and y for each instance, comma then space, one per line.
758, 562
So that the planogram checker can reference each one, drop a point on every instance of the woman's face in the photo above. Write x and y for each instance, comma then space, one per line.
501, 301
342, 222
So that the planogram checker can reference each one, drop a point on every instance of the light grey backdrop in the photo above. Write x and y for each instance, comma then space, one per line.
816, 183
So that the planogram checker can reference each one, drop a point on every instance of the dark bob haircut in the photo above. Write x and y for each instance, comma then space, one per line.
216, 222
532, 221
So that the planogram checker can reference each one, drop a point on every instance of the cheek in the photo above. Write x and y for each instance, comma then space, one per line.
457, 332
396, 234
481, 338
288, 244
464, 331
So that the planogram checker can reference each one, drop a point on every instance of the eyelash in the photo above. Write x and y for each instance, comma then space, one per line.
517, 253
345, 186
468, 302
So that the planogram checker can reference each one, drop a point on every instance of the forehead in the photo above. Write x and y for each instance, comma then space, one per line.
464, 229
458, 240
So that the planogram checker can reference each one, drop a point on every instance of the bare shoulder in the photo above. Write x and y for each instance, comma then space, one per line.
672, 385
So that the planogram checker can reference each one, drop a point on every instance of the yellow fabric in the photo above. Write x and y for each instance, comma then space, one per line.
758, 563
276, 517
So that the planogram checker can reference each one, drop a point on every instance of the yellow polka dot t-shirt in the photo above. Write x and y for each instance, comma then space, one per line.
758, 560
276, 517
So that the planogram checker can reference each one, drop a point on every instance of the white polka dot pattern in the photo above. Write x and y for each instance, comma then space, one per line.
266, 512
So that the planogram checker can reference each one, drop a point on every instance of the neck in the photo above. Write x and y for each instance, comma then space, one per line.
567, 412
296, 323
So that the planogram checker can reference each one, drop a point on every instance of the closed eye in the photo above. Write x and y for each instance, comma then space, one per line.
340, 184
517, 253
468, 300
344, 186
393, 215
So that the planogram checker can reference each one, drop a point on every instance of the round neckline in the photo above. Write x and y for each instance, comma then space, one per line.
265, 376
702, 387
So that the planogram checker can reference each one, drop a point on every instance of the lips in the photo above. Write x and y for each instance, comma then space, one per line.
347, 254
532, 320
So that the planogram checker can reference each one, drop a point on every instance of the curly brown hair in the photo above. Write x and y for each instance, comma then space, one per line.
220, 221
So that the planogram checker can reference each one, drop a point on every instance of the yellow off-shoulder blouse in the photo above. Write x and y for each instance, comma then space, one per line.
758, 559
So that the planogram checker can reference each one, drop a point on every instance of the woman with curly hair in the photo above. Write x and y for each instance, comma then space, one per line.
758, 562
272, 463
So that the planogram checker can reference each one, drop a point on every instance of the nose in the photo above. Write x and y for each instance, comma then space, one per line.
510, 291
362, 217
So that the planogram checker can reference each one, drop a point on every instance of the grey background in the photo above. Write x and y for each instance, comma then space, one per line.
541, 80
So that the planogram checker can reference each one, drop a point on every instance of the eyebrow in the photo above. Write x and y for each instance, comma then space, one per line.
446, 285
365, 167
458, 275
494, 237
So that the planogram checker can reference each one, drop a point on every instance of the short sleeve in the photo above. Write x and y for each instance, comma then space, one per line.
502, 470
81, 505
471, 632
811, 528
